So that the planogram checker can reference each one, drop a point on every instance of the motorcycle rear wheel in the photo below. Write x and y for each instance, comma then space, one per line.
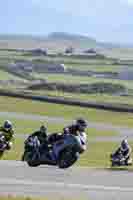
31, 159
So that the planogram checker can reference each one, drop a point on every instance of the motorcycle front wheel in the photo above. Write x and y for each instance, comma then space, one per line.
67, 158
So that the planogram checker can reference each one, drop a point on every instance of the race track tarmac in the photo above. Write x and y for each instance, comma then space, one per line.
73, 183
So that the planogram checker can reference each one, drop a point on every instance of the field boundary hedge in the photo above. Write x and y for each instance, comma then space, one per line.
68, 101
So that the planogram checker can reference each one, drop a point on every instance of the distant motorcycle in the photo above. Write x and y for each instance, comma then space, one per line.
119, 160
3, 144
63, 153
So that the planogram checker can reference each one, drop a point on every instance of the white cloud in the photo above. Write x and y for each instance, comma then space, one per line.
129, 2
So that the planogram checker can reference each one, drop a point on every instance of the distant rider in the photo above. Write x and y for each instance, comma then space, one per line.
8, 132
124, 149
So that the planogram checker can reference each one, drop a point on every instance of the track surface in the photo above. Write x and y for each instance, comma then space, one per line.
78, 183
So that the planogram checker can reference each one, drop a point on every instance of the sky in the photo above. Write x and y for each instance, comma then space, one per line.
103, 20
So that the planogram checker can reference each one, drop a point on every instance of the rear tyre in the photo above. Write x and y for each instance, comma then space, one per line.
33, 163
31, 159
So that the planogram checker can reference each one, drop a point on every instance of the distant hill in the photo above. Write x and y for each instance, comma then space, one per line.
83, 41
68, 36
21, 37
55, 41
88, 40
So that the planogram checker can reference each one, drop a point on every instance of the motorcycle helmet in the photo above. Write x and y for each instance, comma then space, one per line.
81, 123
124, 145
43, 130
7, 125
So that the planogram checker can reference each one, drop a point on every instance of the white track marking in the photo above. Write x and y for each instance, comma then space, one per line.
64, 185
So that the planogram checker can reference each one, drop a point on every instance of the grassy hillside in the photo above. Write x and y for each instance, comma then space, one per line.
8, 76
65, 78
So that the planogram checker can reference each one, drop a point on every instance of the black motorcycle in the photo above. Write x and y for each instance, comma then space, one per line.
3, 144
62, 153
119, 160
31, 145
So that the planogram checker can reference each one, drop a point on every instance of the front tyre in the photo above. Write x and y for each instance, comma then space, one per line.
67, 158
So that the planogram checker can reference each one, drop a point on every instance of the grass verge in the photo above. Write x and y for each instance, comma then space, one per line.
96, 98
67, 112
98, 154
65, 78
8, 76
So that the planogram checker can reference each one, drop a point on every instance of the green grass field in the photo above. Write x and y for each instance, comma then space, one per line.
98, 154
72, 60
94, 67
8, 76
83, 64
98, 98
67, 112
65, 78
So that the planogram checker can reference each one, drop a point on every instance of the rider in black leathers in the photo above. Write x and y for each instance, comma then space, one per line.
41, 135
124, 150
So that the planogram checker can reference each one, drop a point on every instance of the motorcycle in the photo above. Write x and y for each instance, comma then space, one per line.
3, 144
63, 153
119, 160
31, 147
